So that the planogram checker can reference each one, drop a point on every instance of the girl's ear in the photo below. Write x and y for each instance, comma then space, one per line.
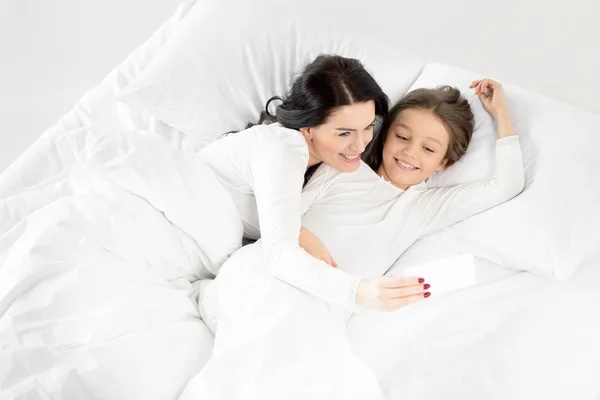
442, 165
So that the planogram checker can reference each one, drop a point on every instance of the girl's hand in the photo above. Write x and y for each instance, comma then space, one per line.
313, 246
391, 293
491, 94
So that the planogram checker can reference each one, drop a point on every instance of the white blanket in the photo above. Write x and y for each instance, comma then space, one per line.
520, 337
95, 272
274, 341
512, 335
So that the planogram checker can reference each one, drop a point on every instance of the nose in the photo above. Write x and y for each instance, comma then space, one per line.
409, 149
359, 144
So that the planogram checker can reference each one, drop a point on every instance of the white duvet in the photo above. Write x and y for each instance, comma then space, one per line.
96, 302
515, 337
95, 272
274, 341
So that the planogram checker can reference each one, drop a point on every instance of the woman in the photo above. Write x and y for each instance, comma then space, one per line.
327, 117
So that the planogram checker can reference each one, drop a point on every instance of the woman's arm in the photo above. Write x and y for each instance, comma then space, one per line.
277, 174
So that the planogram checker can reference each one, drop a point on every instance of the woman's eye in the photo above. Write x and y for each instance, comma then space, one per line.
401, 137
370, 127
344, 134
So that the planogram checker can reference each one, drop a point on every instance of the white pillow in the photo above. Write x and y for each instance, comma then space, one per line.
552, 227
425, 251
477, 164
227, 58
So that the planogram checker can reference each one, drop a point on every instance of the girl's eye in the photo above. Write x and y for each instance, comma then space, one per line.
428, 149
401, 137
344, 134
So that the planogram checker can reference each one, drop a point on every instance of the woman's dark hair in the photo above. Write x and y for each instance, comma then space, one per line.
329, 82
446, 103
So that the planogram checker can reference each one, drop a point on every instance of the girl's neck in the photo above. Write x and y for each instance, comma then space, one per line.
381, 172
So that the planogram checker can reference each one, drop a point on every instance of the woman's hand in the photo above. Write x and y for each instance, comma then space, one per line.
491, 94
313, 246
390, 293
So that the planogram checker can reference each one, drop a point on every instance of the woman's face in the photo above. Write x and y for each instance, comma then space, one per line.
341, 140
414, 149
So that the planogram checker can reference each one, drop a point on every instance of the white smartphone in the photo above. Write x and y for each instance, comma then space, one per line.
446, 274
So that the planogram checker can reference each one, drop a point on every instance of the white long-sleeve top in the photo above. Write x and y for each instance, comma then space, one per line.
367, 223
263, 169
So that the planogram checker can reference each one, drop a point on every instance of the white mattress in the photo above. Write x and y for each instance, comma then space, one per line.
513, 336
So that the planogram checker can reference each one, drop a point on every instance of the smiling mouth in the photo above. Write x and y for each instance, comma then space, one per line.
405, 166
350, 158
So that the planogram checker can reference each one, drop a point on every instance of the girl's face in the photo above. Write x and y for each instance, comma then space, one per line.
414, 149
341, 140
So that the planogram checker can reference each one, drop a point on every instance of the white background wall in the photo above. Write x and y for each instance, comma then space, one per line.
53, 51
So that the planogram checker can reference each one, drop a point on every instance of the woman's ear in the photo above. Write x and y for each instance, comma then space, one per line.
307, 133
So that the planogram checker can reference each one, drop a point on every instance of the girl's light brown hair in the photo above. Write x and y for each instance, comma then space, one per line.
446, 103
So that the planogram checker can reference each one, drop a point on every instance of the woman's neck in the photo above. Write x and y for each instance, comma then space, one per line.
312, 158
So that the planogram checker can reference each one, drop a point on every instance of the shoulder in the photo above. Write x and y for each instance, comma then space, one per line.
284, 148
275, 135
322, 176
425, 187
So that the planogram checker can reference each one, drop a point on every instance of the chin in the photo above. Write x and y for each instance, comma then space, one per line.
402, 182
348, 168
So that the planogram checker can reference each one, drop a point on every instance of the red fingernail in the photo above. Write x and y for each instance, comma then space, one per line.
421, 280
427, 294
426, 286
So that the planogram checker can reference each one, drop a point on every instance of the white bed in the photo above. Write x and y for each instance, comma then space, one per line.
91, 335
90, 322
